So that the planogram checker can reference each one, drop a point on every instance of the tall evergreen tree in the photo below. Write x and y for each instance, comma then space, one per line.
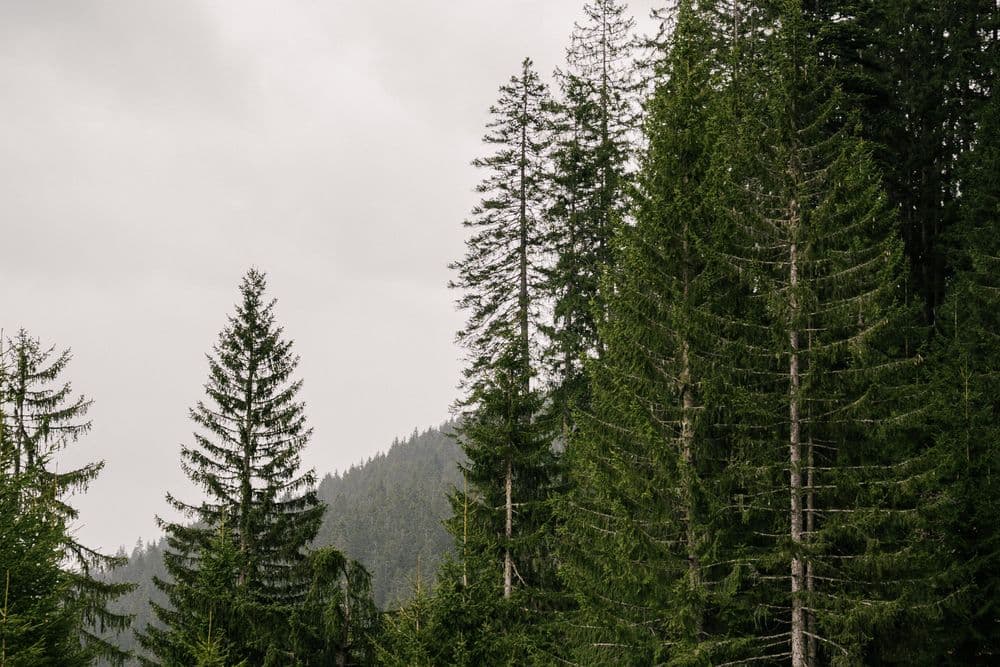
595, 124
965, 373
41, 417
246, 458
820, 466
916, 73
509, 450
635, 515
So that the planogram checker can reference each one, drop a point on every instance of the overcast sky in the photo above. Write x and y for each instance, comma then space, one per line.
152, 150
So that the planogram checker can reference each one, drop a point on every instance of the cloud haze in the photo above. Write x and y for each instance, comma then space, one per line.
151, 151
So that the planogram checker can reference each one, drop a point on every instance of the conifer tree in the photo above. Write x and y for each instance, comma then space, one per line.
246, 458
40, 417
509, 450
595, 125
915, 70
818, 392
337, 622
635, 516
965, 373
38, 623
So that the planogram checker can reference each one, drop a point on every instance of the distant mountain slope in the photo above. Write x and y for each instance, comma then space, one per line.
386, 513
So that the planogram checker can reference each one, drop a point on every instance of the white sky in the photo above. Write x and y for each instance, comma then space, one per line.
152, 150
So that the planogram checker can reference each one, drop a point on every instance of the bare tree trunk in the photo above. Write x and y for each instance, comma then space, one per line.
795, 458
508, 563
687, 441
246, 481
810, 528
465, 531
522, 301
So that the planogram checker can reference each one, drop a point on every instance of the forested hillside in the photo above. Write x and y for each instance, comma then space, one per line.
386, 513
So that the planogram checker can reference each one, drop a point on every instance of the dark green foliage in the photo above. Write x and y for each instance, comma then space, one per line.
916, 71
595, 123
337, 622
461, 625
39, 417
246, 458
37, 624
634, 517
511, 461
816, 388
965, 372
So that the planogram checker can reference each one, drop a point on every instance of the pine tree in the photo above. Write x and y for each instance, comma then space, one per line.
965, 373
509, 449
816, 545
635, 516
41, 417
246, 458
38, 625
595, 127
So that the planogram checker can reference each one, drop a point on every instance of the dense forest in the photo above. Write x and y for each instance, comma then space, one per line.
731, 391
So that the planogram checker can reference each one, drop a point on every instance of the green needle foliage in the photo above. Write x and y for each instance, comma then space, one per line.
595, 126
966, 416
337, 622
511, 461
38, 625
635, 517
39, 417
246, 458
822, 470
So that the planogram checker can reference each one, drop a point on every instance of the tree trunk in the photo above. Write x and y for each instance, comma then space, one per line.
795, 457
687, 438
465, 531
810, 523
508, 563
246, 486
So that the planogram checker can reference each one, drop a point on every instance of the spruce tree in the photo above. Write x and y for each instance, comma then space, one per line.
595, 124
635, 516
337, 622
246, 458
965, 372
39, 625
509, 449
40, 417
816, 544
915, 71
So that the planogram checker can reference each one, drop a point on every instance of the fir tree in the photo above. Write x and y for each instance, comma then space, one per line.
816, 543
246, 458
595, 126
634, 531
966, 376
41, 417
510, 457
